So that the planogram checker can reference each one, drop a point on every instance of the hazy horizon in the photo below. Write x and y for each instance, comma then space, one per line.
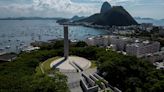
69, 8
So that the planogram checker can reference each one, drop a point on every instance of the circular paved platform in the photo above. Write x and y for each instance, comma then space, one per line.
67, 66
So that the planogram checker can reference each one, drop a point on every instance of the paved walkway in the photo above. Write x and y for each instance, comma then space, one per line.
65, 65
90, 71
69, 70
74, 79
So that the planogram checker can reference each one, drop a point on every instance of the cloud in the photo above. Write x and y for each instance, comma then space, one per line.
66, 6
49, 8
52, 8
69, 8
14, 10
114, 2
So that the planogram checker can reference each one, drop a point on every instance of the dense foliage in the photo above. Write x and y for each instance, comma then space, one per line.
125, 72
130, 74
20, 75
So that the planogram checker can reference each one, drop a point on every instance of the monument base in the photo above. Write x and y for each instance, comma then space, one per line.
71, 64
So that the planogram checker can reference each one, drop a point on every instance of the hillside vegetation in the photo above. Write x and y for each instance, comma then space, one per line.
125, 72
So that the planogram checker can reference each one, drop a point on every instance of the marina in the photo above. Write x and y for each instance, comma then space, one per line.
16, 35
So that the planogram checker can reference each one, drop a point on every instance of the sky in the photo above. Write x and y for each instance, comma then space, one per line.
69, 8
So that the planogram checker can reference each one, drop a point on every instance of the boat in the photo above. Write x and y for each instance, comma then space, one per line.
7, 47
1, 49
22, 43
74, 40
17, 40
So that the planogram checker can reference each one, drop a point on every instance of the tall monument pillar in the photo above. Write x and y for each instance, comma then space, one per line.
66, 42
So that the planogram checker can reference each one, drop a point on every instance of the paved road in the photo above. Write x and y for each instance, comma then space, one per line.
90, 71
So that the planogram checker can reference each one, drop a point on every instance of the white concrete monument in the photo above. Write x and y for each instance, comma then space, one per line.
69, 63
66, 42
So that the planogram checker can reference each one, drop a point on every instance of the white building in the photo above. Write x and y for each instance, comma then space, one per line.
146, 26
98, 40
120, 42
139, 49
154, 57
30, 48
132, 46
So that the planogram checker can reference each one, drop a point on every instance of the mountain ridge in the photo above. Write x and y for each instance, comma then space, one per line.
116, 16
105, 7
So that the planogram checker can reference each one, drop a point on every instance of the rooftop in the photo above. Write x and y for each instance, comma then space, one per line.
138, 43
7, 57
120, 37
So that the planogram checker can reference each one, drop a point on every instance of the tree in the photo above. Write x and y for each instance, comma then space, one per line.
158, 87
129, 73
81, 44
44, 83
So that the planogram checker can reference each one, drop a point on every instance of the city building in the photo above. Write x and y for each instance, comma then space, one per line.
115, 42
98, 41
131, 46
161, 31
119, 42
141, 48
124, 32
155, 57
146, 27
7, 57
90, 41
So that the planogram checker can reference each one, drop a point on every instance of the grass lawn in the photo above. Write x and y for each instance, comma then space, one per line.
45, 66
93, 64
38, 71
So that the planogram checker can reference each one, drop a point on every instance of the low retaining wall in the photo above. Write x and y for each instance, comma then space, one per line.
91, 82
101, 85
100, 78
86, 89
